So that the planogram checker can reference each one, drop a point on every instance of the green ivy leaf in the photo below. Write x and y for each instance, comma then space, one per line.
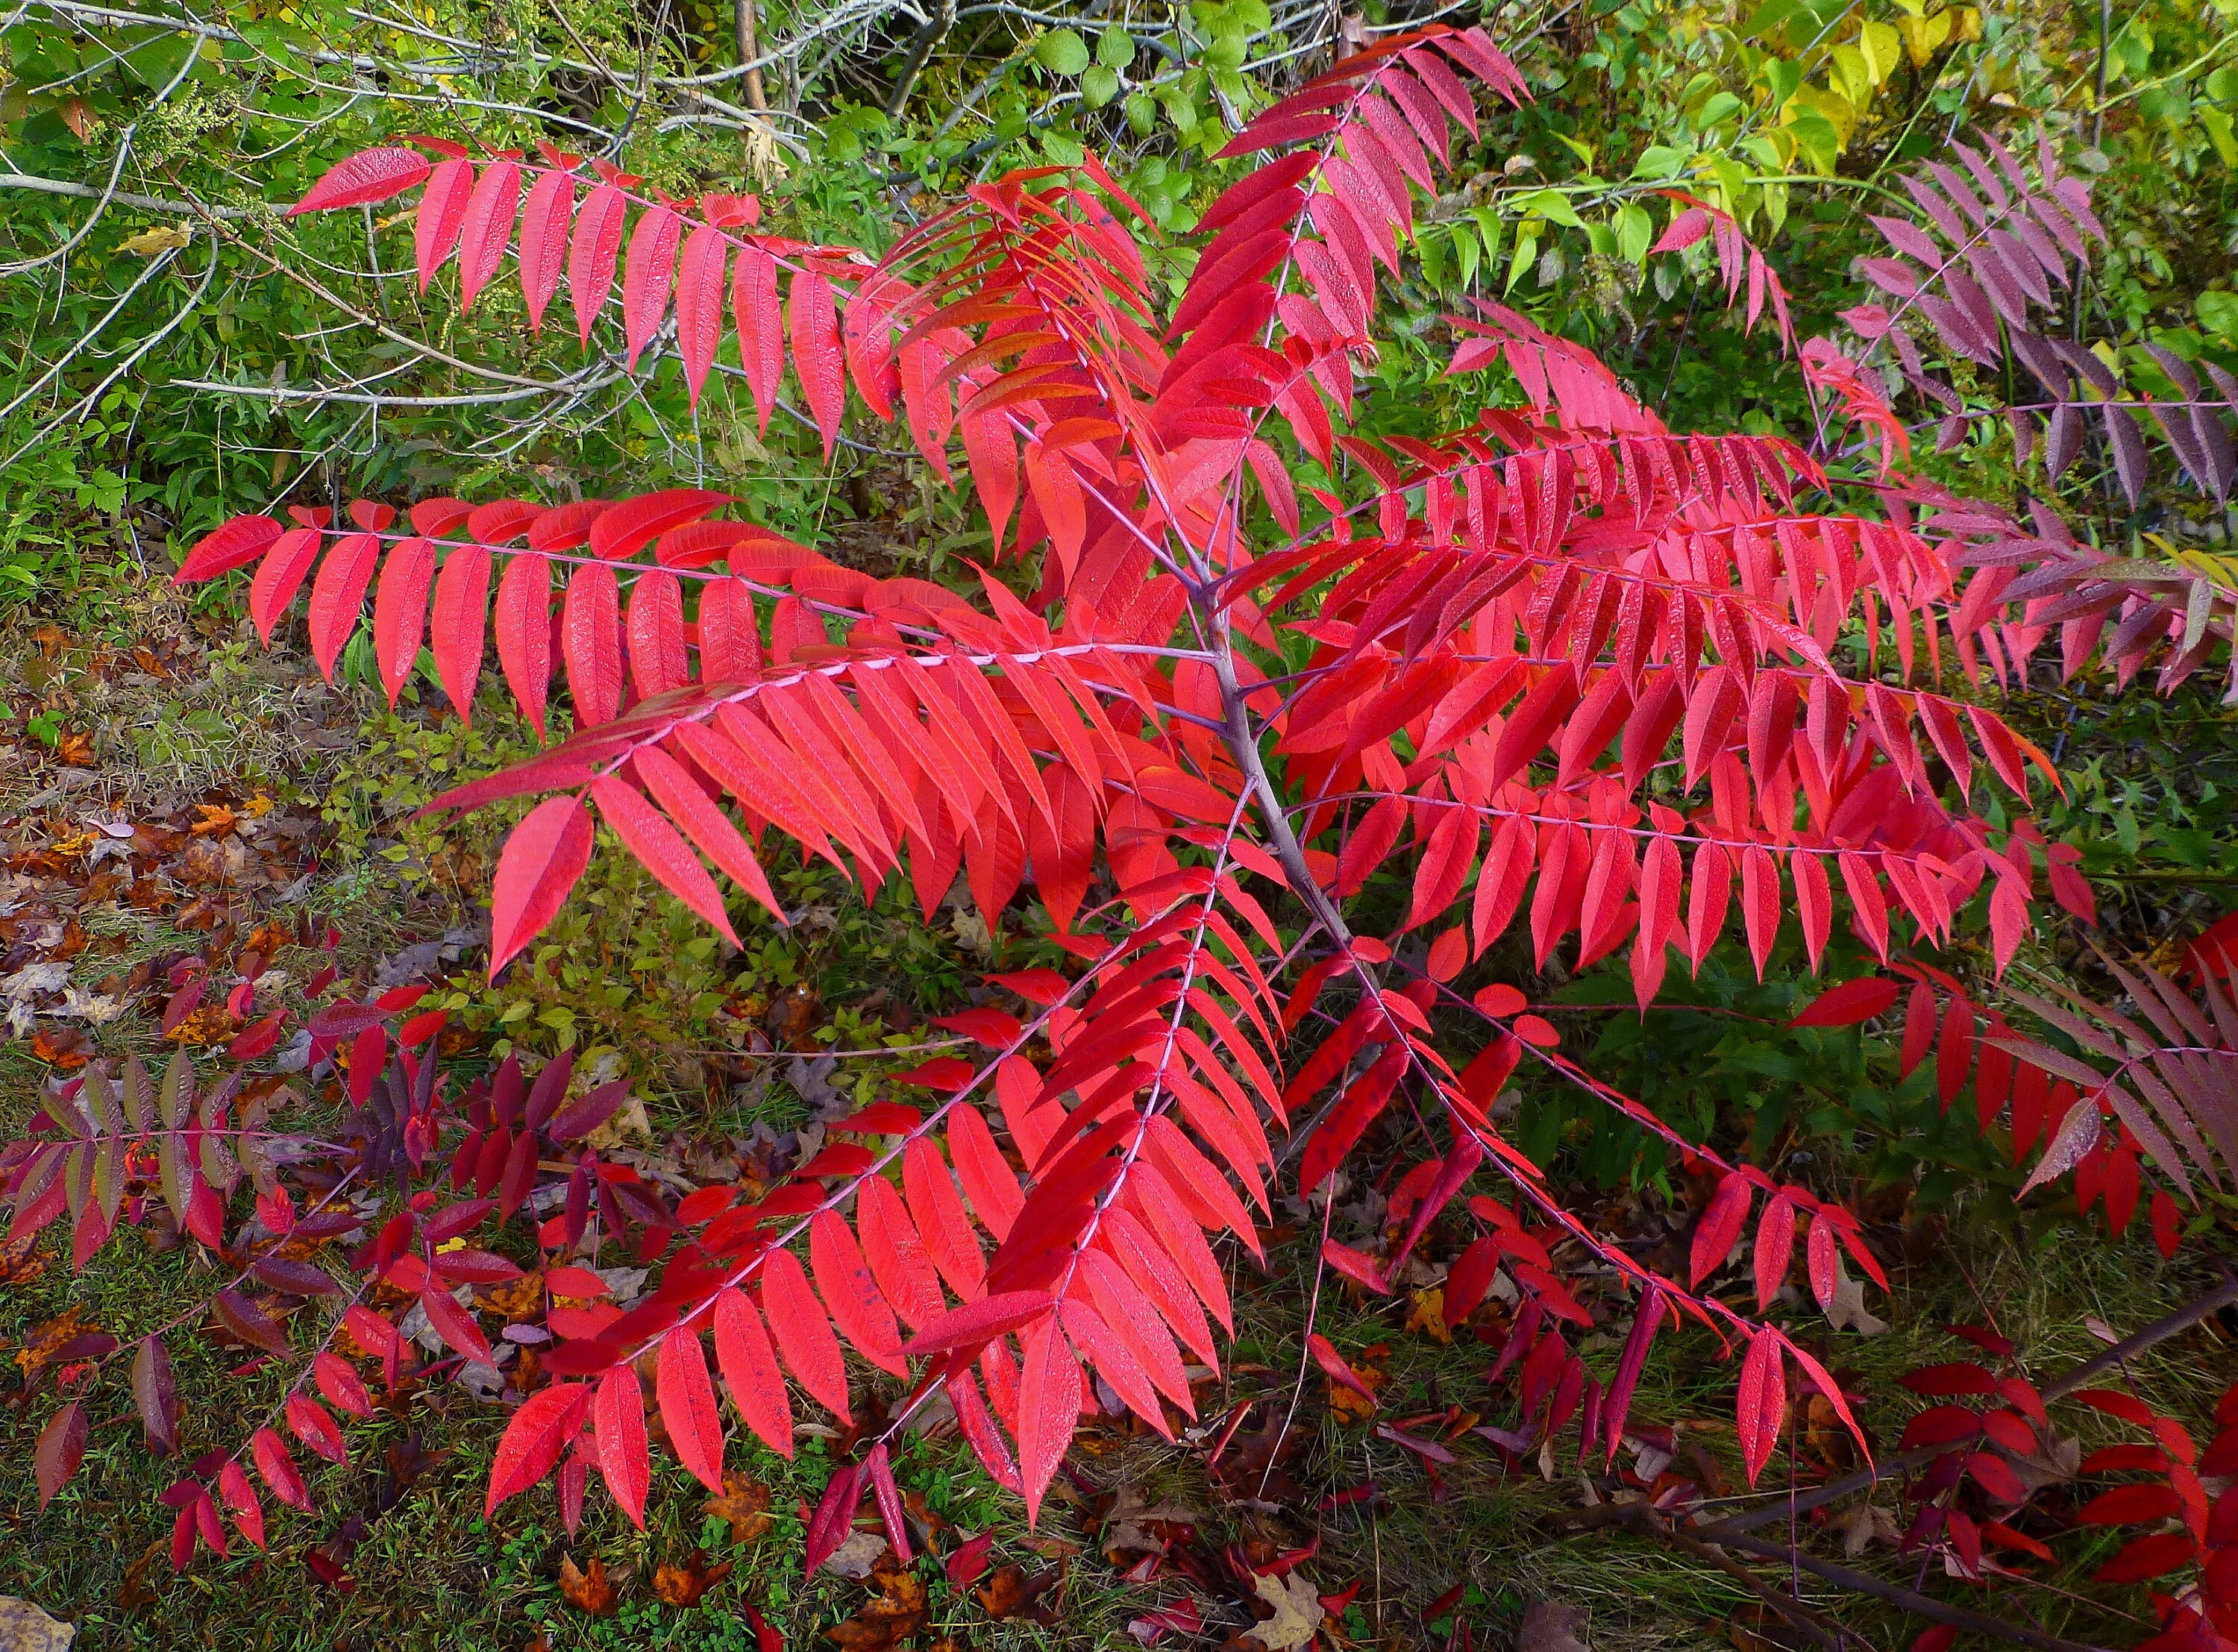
1114, 49
1098, 86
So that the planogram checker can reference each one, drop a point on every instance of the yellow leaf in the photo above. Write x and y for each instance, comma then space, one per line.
1968, 24
1853, 76
1923, 37
165, 238
1880, 44
1428, 1314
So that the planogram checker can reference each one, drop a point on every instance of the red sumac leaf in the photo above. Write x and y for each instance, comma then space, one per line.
625, 1458
1763, 1401
749, 1371
1850, 1002
540, 1432
539, 865
369, 176
687, 1406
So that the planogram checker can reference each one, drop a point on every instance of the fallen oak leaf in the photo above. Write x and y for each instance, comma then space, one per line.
1295, 1615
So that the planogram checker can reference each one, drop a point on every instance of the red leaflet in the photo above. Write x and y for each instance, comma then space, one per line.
813, 321
544, 241
977, 1323
591, 253
591, 644
539, 865
708, 828
278, 1472
240, 1497
897, 1253
879, 1471
699, 305
400, 611
2129, 1506
488, 226
662, 850
1720, 1227
337, 595
1763, 1401
1364, 1099
241, 541
309, 1422
1048, 1406
524, 633
621, 530
156, 1394
1775, 1247
442, 212
1850, 1002
647, 276
687, 1406
455, 1325
618, 1414
803, 1333
749, 1371
941, 1220
369, 176
761, 339
457, 624
279, 577
338, 1380
847, 1287
1339, 1370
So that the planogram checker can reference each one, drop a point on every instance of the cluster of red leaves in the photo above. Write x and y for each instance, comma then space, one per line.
1564, 663
1991, 1486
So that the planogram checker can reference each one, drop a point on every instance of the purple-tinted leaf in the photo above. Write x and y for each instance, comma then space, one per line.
60, 1449
156, 1395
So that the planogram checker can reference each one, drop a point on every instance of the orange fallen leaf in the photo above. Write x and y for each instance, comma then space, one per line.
588, 1591
743, 1503
684, 1585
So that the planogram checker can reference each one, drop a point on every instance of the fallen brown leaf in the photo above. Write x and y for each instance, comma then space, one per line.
684, 1585
1009, 1593
588, 1591
20, 1260
743, 1503
896, 1613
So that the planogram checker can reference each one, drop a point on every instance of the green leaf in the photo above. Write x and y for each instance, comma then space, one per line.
1659, 161
1553, 203
2218, 313
1098, 86
1635, 230
1061, 51
1114, 49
